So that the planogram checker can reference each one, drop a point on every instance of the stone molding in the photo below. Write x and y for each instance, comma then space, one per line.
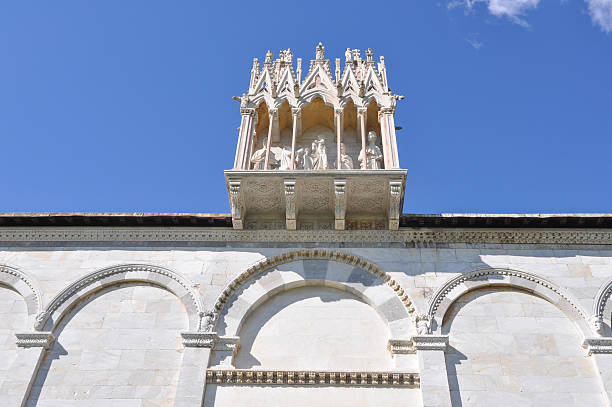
31, 291
400, 346
514, 278
83, 235
430, 342
227, 344
34, 339
199, 339
597, 345
308, 254
310, 377
163, 277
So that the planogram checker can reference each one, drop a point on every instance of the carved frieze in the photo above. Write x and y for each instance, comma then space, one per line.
34, 339
310, 377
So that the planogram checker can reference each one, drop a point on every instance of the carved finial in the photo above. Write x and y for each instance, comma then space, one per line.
320, 54
356, 55
337, 69
370, 55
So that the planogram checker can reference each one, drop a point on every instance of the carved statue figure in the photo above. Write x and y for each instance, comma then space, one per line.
208, 323
597, 324
303, 158
320, 52
423, 324
372, 155
285, 158
268, 57
258, 158
286, 56
346, 162
348, 55
356, 55
319, 154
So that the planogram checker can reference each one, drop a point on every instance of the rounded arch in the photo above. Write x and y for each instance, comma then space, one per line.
446, 295
25, 285
108, 276
599, 306
328, 98
291, 270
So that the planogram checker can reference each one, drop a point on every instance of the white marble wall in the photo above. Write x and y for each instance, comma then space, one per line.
120, 347
107, 330
509, 347
13, 318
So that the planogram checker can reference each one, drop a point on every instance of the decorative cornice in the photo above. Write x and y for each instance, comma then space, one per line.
479, 274
430, 342
400, 346
597, 345
310, 377
85, 235
199, 339
35, 339
316, 254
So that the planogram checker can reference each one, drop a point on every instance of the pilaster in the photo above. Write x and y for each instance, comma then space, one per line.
339, 203
24, 369
244, 138
192, 378
600, 349
432, 365
290, 204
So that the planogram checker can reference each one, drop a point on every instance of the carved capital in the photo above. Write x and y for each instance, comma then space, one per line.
35, 339
430, 342
338, 113
248, 111
400, 346
395, 200
290, 204
340, 203
597, 345
362, 111
199, 339
236, 202
296, 112
273, 114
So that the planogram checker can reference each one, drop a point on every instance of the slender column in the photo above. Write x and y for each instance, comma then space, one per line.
384, 129
296, 114
390, 123
270, 126
361, 112
339, 113
244, 139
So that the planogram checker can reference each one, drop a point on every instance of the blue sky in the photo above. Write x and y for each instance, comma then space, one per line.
126, 106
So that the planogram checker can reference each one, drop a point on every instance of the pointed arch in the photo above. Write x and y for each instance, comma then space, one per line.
25, 285
358, 276
454, 288
92, 282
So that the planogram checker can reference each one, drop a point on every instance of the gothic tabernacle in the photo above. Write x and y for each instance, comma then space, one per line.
316, 290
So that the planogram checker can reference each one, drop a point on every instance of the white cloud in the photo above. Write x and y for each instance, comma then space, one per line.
601, 13
512, 9
515, 10
473, 40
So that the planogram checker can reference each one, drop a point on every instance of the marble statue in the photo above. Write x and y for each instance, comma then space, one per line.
258, 158
346, 162
348, 55
319, 154
285, 158
268, 57
372, 155
320, 52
